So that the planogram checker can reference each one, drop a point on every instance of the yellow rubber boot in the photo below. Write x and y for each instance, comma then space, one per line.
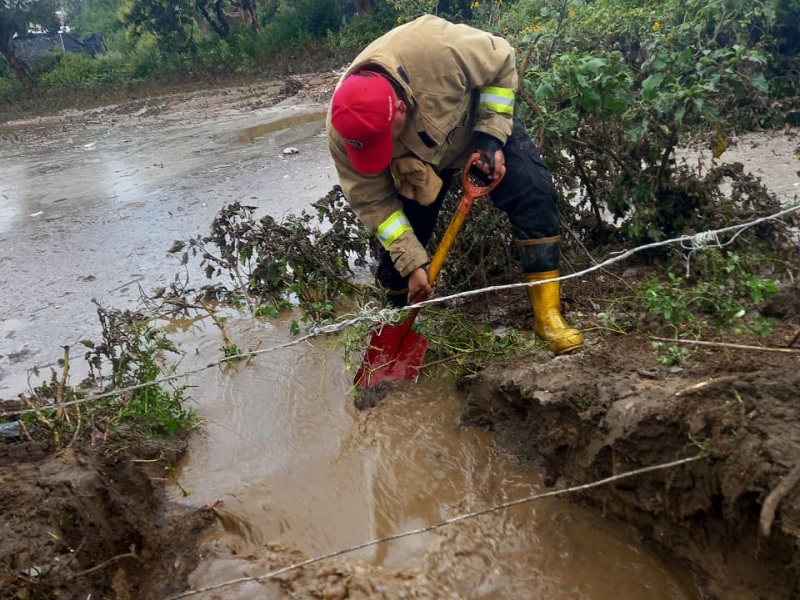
548, 323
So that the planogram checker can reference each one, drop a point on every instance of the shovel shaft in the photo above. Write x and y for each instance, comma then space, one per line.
471, 193
396, 352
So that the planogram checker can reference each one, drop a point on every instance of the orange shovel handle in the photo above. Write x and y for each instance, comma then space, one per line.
471, 193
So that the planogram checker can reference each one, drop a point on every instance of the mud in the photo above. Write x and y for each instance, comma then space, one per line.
99, 522
613, 409
81, 523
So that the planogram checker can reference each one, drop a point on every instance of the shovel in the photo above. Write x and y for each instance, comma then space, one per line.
395, 352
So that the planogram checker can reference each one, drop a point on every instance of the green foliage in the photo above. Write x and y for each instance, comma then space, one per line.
147, 60
170, 21
237, 52
671, 355
360, 30
612, 88
461, 346
15, 18
73, 71
306, 260
298, 24
96, 16
135, 350
130, 359
721, 292
486, 14
459, 11
10, 87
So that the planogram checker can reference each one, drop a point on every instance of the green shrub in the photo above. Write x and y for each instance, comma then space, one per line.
359, 31
295, 26
147, 59
612, 88
10, 87
721, 289
80, 72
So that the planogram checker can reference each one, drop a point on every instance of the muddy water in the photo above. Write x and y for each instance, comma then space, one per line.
90, 212
293, 461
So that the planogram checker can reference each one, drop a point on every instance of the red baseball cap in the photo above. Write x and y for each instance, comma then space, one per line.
362, 112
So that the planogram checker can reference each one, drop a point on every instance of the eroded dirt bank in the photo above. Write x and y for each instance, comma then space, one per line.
613, 409
82, 524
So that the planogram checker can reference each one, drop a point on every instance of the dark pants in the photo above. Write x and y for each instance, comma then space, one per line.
526, 195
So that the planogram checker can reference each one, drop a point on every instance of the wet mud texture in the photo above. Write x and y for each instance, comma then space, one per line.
734, 517
87, 524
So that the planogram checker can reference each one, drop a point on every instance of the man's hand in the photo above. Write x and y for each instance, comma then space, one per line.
418, 284
493, 160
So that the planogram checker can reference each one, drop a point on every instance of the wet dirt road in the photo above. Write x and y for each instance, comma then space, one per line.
90, 211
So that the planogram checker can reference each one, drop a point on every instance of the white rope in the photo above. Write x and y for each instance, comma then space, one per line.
316, 332
380, 317
451, 521
620, 257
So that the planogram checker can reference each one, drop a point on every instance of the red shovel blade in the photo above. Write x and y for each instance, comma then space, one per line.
394, 353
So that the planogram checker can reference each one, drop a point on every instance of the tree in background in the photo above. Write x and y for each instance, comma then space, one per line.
170, 21
221, 15
93, 16
15, 15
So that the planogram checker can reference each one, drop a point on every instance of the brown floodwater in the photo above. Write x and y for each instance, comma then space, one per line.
294, 462
90, 212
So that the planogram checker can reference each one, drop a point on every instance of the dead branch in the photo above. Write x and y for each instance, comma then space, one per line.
727, 345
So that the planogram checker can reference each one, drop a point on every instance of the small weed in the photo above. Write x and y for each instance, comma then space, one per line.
701, 445
719, 294
130, 358
672, 355
762, 326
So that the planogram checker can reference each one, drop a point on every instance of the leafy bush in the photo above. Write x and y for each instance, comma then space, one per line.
76, 71
130, 360
719, 292
296, 25
147, 60
359, 31
305, 259
611, 88
10, 87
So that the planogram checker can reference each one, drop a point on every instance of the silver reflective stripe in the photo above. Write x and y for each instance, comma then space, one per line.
500, 100
392, 228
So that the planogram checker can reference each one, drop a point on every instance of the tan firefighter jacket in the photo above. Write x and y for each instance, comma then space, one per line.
457, 80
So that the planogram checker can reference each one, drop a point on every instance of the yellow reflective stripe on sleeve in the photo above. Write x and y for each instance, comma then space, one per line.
500, 100
392, 228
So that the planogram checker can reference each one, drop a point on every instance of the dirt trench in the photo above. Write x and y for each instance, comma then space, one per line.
613, 408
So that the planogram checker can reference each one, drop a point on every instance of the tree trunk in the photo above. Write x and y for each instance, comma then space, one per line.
249, 9
364, 7
215, 26
7, 50
223, 22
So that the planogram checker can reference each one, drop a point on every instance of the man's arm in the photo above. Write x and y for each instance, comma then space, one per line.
374, 201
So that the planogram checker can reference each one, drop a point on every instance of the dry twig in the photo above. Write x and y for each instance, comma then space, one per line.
726, 345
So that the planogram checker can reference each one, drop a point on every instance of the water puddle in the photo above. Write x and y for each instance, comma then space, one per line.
295, 463
251, 134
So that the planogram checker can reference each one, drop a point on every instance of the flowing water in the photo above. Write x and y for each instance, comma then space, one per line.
293, 461
91, 212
